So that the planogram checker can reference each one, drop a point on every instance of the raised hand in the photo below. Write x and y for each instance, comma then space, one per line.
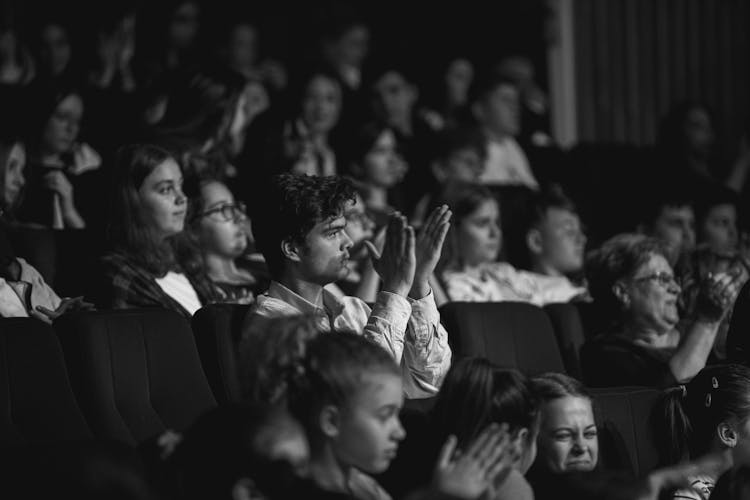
396, 263
487, 461
429, 246
718, 294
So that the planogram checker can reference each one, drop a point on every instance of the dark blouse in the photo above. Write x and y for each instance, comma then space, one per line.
612, 360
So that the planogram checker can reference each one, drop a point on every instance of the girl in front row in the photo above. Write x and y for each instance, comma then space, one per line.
347, 393
710, 414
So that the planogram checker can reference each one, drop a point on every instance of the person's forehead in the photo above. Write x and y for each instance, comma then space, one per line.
561, 215
569, 407
682, 211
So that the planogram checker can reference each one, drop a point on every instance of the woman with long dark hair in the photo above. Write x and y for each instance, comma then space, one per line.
148, 213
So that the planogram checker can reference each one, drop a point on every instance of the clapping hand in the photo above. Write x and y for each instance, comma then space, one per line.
429, 247
396, 263
487, 461
718, 294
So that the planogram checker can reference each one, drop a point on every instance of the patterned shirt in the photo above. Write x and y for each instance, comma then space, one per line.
130, 285
408, 329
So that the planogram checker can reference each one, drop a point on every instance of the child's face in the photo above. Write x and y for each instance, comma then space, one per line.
383, 166
369, 428
720, 228
562, 240
478, 235
219, 235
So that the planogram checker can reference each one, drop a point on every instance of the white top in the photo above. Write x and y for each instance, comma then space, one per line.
177, 286
500, 282
507, 164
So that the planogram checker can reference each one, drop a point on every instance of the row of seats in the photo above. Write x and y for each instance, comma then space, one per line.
129, 375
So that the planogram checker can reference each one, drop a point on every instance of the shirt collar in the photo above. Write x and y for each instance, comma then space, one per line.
330, 303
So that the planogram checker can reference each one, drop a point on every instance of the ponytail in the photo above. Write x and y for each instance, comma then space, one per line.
691, 413
672, 440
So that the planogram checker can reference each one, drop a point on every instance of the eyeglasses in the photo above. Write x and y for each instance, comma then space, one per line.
663, 278
228, 212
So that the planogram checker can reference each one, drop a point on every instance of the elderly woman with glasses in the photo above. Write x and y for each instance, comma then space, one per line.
217, 235
647, 343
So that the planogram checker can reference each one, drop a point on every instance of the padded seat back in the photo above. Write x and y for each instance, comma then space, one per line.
510, 334
135, 372
624, 417
218, 331
568, 328
37, 405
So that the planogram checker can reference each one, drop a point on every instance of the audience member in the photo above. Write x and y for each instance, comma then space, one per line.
469, 269
377, 165
706, 415
395, 103
459, 158
304, 142
496, 108
450, 105
235, 452
12, 174
217, 234
633, 285
348, 394
301, 234
148, 212
63, 176
689, 149
475, 394
362, 280
551, 235
669, 217
567, 433
17, 67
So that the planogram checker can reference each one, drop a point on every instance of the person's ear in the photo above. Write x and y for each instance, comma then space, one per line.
291, 250
244, 489
727, 434
619, 290
534, 241
330, 421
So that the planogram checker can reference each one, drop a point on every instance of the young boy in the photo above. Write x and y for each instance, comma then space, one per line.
300, 229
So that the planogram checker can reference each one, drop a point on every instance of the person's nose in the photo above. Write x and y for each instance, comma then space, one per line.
399, 432
347, 242
180, 198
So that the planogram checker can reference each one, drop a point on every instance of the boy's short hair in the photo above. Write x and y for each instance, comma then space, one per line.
486, 82
537, 207
290, 206
459, 139
664, 196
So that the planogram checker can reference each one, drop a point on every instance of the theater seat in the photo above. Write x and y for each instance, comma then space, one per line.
135, 372
37, 405
568, 328
217, 329
626, 437
510, 334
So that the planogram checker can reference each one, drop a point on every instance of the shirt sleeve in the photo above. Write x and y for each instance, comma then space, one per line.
387, 321
427, 355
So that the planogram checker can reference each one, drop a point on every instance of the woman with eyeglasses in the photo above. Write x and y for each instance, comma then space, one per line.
217, 232
647, 343
147, 217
